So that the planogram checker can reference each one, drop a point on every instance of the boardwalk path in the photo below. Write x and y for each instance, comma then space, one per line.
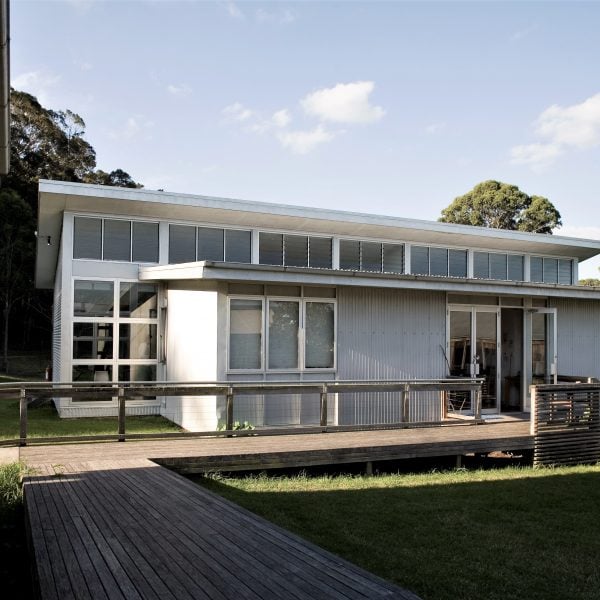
104, 527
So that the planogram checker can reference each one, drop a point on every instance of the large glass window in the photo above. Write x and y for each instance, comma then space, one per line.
498, 266
108, 343
182, 244
93, 298
419, 260
284, 322
319, 256
551, 270
319, 335
370, 259
87, 238
393, 258
210, 244
144, 247
373, 257
270, 249
296, 250
245, 334
350, 255
117, 240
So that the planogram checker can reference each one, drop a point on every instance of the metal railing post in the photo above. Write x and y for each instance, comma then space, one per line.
478, 403
22, 418
324, 408
404, 397
229, 409
121, 414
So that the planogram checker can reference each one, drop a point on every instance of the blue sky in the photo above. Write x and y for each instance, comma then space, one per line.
384, 107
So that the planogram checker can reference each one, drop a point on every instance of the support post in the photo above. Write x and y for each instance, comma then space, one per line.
229, 409
121, 414
478, 403
369, 468
22, 418
459, 461
533, 407
324, 408
404, 397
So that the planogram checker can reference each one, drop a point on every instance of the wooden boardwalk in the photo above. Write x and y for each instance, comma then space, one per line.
132, 529
104, 527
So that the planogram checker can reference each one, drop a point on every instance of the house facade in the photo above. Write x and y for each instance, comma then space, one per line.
172, 287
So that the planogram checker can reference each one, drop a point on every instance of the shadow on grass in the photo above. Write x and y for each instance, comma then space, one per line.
534, 537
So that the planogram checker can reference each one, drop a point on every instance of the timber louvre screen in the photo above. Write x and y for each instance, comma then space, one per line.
566, 424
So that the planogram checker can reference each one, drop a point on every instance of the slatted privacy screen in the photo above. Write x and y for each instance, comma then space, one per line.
566, 424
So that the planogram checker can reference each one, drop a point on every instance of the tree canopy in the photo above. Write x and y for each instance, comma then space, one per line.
45, 144
502, 206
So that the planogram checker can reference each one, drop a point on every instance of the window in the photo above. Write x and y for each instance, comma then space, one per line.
551, 270
373, 257
245, 334
115, 239
498, 266
294, 250
109, 343
298, 334
189, 244
438, 262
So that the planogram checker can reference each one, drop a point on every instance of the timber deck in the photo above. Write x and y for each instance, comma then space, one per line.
102, 526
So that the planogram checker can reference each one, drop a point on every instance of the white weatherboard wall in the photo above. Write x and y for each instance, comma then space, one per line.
192, 355
578, 337
389, 334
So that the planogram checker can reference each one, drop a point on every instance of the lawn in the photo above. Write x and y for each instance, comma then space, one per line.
499, 534
44, 421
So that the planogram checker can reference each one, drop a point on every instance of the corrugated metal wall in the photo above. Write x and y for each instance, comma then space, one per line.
578, 324
389, 334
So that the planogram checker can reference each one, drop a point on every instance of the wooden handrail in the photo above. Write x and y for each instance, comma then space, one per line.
124, 391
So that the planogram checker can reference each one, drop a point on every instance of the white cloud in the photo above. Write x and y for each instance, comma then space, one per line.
237, 112
561, 128
344, 103
280, 17
281, 118
37, 83
303, 142
234, 11
135, 127
434, 128
181, 90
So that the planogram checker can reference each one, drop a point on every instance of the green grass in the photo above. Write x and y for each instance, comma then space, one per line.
45, 422
500, 534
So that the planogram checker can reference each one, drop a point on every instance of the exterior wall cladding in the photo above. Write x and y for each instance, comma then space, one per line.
578, 337
389, 334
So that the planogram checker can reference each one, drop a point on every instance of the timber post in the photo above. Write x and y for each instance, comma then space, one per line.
121, 414
22, 418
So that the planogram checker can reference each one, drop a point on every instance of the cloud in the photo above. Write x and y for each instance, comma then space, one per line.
343, 103
303, 142
523, 33
181, 90
237, 112
37, 83
280, 17
561, 128
135, 127
434, 128
234, 11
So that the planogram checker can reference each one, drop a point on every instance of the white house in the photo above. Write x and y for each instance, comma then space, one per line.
171, 287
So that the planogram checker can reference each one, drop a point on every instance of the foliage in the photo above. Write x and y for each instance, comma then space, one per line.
237, 426
45, 144
591, 282
460, 534
10, 487
502, 206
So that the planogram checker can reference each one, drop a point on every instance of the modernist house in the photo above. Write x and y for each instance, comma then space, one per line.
170, 287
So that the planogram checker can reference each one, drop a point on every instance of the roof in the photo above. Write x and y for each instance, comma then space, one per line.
56, 197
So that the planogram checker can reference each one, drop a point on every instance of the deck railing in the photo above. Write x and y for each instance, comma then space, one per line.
128, 391
565, 423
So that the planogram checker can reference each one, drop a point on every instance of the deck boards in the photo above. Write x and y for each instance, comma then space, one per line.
107, 522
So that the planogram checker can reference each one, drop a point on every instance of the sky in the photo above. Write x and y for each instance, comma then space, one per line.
390, 108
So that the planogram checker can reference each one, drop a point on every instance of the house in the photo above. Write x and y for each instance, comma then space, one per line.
170, 287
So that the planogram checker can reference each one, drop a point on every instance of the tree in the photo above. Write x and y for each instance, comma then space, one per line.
45, 144
502, 206
591, 282
16, 257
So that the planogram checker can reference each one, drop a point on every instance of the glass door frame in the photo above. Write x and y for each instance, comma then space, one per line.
552, 364
473, 309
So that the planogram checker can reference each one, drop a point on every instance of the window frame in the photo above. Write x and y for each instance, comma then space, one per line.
265, 333
115, 320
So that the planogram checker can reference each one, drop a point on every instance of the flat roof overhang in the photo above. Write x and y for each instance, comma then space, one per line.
243, 273
57, 197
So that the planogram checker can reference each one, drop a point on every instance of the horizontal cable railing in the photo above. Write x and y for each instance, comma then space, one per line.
123, 392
